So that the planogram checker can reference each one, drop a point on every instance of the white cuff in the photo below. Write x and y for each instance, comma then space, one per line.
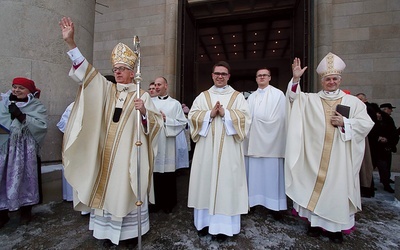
76, 56
206, 124
348, 131
230, 129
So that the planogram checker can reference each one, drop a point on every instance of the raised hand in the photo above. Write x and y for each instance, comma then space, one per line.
297, 70
68, 31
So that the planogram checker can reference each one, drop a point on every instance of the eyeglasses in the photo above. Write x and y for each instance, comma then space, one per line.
263, 75
223, 74
121, 69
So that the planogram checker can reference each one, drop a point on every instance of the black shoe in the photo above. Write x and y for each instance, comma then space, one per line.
220, 237
314, 231
277, 215
153, 208
367, 192
388, 189
25, 218
108, 243
336, 237
3, 221
130, 244
391, 181
167, 210
203, 232
252, 210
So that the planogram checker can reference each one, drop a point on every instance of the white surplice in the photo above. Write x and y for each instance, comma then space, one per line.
264, 149
174, 124
68, 194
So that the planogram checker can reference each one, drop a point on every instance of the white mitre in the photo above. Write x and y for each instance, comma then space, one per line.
331, 64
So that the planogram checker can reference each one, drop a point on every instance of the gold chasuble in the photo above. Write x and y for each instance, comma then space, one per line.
112, 141
326, 152
322, 162
99, 153
218, 175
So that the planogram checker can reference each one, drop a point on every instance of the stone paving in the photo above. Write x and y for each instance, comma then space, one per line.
57, 226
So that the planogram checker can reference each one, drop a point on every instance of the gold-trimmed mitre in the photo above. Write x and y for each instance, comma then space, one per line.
123, 54
331, 64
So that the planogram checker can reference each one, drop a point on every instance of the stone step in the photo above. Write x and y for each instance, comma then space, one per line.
52, 183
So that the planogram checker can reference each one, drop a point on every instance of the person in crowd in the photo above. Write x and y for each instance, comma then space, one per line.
219, 121
324, 150
185, 109
367, 187
67, 191
165, 163
362, 97
190, 142
388, 109
383, 138
264, 147
183, 143
152, 90
100, 154
23, 122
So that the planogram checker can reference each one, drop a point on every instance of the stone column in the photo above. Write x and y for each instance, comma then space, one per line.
324, 32
31, 46
171, 18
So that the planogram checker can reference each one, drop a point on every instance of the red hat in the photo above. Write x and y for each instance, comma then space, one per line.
27, 83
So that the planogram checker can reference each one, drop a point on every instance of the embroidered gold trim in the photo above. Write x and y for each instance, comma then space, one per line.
326, 154
221, 145
113, 137
90, 78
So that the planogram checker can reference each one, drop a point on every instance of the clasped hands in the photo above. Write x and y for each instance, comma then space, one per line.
218, 109
14, 111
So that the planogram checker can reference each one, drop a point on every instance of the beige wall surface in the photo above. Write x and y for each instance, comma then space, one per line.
154, 21
366, 35
31, 46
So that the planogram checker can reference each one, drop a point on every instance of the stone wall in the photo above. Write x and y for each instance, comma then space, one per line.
366, 35
155, 22
31, 46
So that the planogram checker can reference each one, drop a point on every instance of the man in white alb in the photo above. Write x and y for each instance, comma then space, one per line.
324, 150
99, 153
165, 165
219, 120
264, 147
